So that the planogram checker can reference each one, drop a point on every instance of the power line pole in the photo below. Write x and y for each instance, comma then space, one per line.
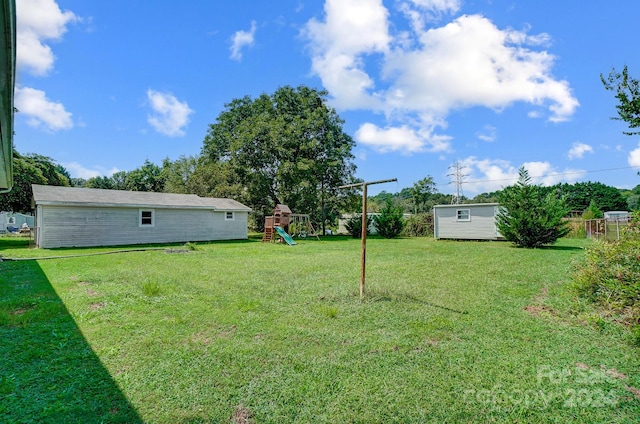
363, 256
458, 180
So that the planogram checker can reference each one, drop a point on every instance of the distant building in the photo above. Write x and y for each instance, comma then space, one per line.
617, 216
12, 221
466, 222
78, 217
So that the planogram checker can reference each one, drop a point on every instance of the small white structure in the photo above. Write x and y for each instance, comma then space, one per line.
79, 217
466, 222
14, 221
622, 216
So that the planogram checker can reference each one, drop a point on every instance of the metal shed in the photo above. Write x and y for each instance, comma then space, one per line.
466, 222
78, 217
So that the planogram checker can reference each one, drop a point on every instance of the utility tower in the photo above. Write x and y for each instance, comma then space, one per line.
458, 179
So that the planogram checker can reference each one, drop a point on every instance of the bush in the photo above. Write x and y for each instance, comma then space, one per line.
610, 273
390, 222
419, 225
354, 225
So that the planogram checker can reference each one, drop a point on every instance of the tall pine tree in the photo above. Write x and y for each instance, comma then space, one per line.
529, 217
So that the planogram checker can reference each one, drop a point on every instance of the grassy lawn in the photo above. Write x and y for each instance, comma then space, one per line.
265, 333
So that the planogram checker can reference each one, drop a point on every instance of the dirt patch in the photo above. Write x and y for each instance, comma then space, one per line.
228, 333
636, 392
615, 373
538, 310
92, 293
241, 415
20, 311
97, 305
200, 337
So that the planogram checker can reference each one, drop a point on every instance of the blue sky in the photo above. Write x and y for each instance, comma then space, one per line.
421, 84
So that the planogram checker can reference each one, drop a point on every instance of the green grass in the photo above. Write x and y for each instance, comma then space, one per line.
447, 332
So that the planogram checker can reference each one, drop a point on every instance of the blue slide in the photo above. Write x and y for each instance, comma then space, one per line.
285, 236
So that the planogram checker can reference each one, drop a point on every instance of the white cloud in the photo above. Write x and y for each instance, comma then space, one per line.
78, 171
170, 115
418, 78
351, 30
470, 62
402, 139
488, 175
242, 39
40, 111
487, 133
634, 157
36, 22
419, 12
578, 150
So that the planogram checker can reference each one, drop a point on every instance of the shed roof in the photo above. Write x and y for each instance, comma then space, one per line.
75, 196
467, 205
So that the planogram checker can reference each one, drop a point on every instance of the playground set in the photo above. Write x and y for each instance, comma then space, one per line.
283, 222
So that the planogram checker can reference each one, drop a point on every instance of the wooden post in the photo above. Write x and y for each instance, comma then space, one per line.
365, 228
363, 257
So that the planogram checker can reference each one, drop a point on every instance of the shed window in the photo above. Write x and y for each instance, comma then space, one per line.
229, 216
463, 215
147, 218
12, 220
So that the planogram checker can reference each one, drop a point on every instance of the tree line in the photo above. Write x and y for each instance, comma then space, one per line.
289, 147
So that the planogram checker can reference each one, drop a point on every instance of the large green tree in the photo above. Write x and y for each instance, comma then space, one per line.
421, 192
288, 147
530, 217
627, 91
31, 169
149, 177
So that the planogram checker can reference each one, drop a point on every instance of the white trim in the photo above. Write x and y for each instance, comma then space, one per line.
229, 218
140, 218
458, 214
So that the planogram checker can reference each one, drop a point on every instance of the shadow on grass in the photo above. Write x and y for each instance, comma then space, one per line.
49, 372
562, 248
9, 242
387, 296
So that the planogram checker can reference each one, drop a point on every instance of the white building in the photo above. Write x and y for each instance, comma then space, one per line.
75, 217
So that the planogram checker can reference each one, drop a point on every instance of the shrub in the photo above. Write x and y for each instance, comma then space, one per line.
576, 228
419, 225
592, 212
354, 225
390, 222
610, 273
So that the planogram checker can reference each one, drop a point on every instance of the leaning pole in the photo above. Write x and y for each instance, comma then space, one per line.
363, 256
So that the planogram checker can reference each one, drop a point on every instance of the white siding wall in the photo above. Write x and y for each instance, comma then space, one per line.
64, 226
481, 225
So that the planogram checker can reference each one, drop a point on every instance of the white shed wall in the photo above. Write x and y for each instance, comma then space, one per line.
481, 225
67, 226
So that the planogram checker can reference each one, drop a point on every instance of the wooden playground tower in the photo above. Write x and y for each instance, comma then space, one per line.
282, 218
